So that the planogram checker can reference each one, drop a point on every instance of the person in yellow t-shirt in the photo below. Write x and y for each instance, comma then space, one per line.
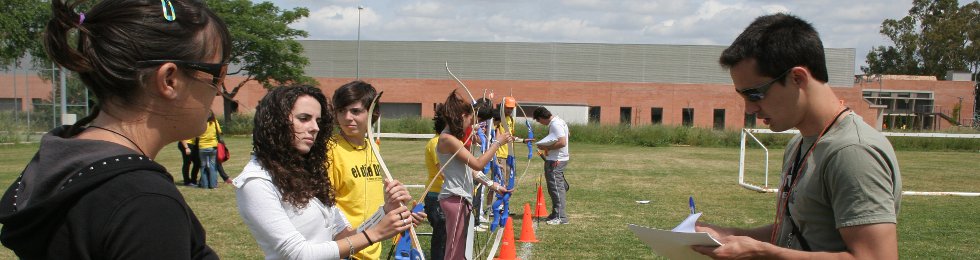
353, 170
509, 104
207, 144
437, 246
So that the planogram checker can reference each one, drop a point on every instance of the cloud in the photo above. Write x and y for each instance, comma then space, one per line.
427, 9
335, 22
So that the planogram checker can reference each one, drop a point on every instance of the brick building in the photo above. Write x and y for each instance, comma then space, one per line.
635, 84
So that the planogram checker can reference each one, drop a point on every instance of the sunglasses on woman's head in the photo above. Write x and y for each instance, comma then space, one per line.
758, 92
217, 70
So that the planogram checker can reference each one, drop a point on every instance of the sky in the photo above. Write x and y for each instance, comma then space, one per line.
841, 23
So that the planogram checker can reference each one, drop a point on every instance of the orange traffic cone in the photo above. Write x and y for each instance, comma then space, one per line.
540, 211
507, 249
527, 226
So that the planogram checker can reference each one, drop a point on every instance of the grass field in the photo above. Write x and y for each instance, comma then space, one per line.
606, 180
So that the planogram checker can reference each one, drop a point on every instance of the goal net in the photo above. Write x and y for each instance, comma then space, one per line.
754, 171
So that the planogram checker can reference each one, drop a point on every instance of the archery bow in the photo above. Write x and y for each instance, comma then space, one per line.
501, 207
384, 168
465, 142
530, 147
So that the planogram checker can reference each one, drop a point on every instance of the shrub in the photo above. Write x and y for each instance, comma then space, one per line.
647, 135
238, 124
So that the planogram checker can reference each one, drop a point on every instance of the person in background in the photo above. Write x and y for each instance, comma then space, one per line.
437, 245
94, 190
283, 193
508, 106
221, 172
841, 187
207, 144
484, 114
353, 171
191, 162
219, 165
461, 170
555, 163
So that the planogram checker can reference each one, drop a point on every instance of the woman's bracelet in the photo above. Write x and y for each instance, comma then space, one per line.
351, 246
371, 242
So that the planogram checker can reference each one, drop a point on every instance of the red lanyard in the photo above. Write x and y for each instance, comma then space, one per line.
782, 206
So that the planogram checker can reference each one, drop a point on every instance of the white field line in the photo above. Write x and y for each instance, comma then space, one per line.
527, 249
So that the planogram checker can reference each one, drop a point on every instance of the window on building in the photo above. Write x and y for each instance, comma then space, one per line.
688, 116
719, 119
924, 106
400, 110
657, 115
594, 113
903, 105
36, 102
10, 104
625, 115
750, 120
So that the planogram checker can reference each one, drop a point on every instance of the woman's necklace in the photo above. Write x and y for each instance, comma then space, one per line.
123, 136
356, 147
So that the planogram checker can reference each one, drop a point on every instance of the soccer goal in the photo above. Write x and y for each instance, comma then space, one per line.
765, 185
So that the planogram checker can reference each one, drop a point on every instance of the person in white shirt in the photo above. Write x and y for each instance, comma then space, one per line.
555, 162
284, 195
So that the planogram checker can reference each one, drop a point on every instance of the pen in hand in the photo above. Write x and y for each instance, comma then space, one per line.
690, 201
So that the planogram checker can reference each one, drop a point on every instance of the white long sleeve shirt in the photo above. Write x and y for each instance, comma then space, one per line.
284, 231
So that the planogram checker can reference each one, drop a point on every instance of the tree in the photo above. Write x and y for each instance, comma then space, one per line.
972, 27
932, 40
264, 47
972, 11
21, 27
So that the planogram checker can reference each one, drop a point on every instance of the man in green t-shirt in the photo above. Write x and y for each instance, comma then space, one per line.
841, 188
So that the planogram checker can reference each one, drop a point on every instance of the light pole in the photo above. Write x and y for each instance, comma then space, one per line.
357, 59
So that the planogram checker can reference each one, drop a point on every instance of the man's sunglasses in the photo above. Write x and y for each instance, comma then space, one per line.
758, 92
217, 70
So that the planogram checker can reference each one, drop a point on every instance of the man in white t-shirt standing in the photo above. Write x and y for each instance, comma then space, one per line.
555, 162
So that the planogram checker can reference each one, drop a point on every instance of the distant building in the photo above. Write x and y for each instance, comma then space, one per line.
635, 84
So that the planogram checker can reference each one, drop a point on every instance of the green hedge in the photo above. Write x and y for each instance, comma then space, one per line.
649, 135
661, 135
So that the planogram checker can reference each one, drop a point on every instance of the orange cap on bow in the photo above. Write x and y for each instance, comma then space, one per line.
510, 102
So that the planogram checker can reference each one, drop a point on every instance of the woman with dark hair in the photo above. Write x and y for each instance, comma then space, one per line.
284, 195
461, 169
92, 191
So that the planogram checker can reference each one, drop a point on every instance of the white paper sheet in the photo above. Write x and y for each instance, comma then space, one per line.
687, 225
676, 243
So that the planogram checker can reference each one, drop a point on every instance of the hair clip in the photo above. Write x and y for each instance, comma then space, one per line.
81, 18
163, 5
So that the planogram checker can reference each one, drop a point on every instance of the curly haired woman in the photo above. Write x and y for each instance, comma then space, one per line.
284, 195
